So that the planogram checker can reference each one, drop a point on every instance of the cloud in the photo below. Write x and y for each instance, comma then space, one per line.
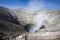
35, 5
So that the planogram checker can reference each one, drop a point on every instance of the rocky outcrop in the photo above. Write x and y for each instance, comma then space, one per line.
9, 31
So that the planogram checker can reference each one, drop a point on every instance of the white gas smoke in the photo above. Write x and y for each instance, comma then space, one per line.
38, 21
34, 5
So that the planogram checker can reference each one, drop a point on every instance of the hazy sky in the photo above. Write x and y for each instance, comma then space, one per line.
32, 4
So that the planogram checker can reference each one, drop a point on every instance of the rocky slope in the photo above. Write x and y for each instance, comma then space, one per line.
9, 25
8, 15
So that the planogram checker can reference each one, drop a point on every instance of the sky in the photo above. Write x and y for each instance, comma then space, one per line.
31, 4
